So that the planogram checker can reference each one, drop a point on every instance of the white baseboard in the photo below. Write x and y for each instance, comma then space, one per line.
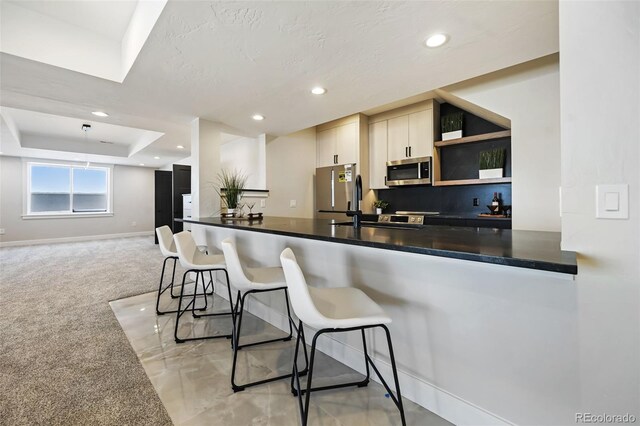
74, 239
448, 406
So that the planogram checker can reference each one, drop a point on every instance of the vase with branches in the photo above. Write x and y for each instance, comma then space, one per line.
231, 185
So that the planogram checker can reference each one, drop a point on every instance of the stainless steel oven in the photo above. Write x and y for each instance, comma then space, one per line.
410, 171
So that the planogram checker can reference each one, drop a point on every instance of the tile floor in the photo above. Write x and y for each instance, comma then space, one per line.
193, 378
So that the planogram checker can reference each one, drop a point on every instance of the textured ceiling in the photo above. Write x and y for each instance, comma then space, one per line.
225, 61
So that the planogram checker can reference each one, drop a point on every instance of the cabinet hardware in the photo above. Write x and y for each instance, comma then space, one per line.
406, 151
385, 181
409, 151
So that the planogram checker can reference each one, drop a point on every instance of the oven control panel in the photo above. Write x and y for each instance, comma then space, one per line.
409, 219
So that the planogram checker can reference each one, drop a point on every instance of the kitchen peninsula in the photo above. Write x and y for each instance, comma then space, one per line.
455, 295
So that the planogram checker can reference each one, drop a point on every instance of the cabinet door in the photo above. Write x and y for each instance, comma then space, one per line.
377, 154
421, 134
398, 138
347, 143
325, 147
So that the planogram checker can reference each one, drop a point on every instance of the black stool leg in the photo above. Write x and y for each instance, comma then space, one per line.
305, 416
160, 291
395, 375
173, 276
366, 355
179, 312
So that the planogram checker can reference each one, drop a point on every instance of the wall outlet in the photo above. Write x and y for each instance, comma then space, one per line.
134, 223
476, 202
263, 203
292, 203
1, 231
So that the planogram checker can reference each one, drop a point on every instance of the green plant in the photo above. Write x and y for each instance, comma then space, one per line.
231, 187
451, 122
492, 159
380, 204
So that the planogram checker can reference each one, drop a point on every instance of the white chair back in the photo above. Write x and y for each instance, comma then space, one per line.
165, 241
299, 295
186, 248
236, 274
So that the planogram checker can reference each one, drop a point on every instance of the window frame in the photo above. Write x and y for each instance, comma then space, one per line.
28, 214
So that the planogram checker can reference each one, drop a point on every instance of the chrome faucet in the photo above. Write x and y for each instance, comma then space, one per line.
357, 197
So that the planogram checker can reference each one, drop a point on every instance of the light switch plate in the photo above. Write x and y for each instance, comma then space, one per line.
612, 201
292, 203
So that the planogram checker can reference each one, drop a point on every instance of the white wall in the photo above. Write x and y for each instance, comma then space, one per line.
600, 116
291, 166
133, 198
529, 95
247, 156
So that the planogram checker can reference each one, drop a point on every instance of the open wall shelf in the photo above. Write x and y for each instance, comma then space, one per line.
472, 181
474, 138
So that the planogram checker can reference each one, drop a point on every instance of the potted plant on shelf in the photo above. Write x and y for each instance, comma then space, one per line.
380, 205
451, 125
492, 163
231, 187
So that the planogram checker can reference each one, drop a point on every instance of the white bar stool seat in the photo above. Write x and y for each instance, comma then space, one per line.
193, 260
251, 281
333, 310
345, 307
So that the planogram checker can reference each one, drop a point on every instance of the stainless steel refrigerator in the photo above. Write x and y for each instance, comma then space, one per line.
335, 191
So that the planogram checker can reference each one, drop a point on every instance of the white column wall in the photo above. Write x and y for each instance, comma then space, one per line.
600, 116
206, 139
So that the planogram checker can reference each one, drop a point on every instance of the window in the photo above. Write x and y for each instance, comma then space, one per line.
67, 189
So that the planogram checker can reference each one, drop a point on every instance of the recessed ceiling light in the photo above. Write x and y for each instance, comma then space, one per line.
180, 147
258, 117
100, 113
142, 164
156, 158
318, 90
436, 40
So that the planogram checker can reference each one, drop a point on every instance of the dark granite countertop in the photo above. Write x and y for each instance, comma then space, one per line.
524, 249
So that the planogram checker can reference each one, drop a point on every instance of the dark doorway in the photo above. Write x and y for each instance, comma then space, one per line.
163, 200
181, 185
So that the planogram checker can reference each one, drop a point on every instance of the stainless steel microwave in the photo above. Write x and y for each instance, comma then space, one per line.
409, 171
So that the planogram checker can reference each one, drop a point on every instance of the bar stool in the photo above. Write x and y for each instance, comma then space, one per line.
197, 262
251, 281
333, 310
168, 250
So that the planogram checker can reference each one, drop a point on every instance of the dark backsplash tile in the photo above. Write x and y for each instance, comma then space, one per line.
444, 199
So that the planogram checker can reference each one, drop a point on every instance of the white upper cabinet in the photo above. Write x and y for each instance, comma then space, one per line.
347, 144
326, 147
337, 145
398, 138
420, 134
378, 155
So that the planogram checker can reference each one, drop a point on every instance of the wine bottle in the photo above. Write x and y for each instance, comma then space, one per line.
495, 204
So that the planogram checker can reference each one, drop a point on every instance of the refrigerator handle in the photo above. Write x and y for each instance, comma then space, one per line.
333, 195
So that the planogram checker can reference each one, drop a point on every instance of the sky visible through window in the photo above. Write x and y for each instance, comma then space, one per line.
51, 179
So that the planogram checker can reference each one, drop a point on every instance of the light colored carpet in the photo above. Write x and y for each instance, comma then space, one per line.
63, 357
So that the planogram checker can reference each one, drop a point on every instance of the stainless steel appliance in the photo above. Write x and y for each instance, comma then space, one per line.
335, 191
410, 171
402, 220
